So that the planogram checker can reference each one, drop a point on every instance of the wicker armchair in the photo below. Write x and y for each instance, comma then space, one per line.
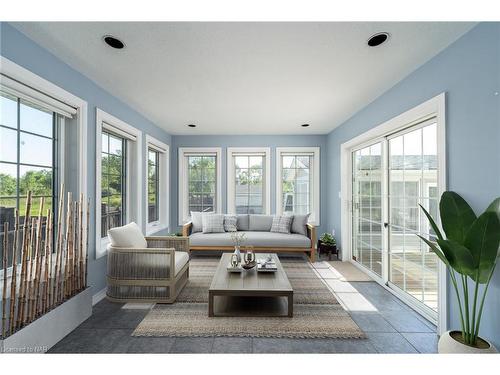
155, 274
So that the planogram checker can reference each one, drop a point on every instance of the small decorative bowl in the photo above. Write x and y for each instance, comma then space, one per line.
249, 266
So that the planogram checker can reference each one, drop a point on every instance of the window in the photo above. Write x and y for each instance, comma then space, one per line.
298, 181
153, 185
248, 180
156, 185
118, 176
200, 182
113, 181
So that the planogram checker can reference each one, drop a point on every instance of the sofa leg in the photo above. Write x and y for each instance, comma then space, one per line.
312, 256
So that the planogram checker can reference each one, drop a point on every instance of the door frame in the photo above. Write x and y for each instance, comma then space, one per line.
434, 107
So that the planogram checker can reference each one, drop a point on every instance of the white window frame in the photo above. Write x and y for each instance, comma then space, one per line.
231, 185
434, 107
133, 136
183, 214
163, 183
315, 217
41, 85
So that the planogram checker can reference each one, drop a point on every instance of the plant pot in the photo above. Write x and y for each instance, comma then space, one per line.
448, 344
327, 249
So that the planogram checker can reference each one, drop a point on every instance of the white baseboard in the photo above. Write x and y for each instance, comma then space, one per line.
99, 296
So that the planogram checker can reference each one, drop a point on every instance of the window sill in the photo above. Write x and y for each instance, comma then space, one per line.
155, 228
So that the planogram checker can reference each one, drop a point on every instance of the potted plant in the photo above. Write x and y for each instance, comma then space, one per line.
470, 252
328, 244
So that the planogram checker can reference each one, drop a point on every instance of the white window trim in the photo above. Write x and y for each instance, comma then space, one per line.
164, 181
183, 215
30, 79
231, 151
134, 212
315, 216
434, 107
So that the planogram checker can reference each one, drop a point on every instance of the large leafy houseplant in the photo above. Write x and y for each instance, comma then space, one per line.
470, 252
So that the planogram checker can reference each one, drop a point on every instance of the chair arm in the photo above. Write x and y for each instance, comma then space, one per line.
167, 242
186, 229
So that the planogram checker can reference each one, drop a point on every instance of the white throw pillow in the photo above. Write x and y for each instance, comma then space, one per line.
129, 235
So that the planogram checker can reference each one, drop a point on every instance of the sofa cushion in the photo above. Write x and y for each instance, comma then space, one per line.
230, 223
299, 223
281, 224
260, 223
197, 220
129, 235
213, 223
242, 222
253, 238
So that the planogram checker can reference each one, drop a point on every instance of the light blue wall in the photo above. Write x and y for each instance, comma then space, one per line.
271, 141
23, 51
469, 72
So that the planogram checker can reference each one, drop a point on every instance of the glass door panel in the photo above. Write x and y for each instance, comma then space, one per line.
412, 181
367, 207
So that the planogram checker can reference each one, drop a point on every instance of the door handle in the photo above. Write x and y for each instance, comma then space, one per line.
386, 225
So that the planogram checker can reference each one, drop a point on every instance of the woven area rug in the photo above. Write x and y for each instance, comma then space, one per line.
349, 272
307, 286
317, 314
191, 319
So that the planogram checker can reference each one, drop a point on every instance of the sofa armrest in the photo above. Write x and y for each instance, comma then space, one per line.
168, 242
186, 229
311, 233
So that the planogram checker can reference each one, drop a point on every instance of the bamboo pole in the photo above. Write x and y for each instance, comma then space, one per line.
80, 247
47, 255
56, 278
76, 244
13, 282
36, 263
24, 263
4, 290
67, 246
86, 243
30, 276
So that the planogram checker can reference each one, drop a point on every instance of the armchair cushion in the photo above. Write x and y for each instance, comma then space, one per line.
129, 235
181, 259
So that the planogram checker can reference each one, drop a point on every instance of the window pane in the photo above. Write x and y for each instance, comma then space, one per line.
8, 143
201, 182
38, 180
8, 180
104, 143
35, 150
241, 162
115, 145
35, 120
8, 111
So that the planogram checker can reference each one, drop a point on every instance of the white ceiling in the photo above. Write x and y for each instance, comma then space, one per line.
245, 78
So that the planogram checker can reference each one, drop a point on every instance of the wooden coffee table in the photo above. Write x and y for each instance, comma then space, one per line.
249, 283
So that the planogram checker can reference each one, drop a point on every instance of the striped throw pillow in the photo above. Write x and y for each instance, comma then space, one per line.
213, 223
281, 224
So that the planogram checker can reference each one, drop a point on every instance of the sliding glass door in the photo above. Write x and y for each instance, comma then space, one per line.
391, 177
412, 182
367, 207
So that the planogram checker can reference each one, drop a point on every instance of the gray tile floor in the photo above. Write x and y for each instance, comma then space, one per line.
390, 326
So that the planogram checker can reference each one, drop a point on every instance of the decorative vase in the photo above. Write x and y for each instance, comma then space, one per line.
448, 345
238, 253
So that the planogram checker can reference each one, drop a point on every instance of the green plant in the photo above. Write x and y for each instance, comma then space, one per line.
328, 239
470, 251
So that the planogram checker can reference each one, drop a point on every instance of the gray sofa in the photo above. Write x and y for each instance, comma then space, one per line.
257, 229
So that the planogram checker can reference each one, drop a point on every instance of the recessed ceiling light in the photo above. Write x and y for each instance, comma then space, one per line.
113, 42
377, 39
192, 125
305, 125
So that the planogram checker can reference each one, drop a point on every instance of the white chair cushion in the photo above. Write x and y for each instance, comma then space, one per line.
129, 235
181, 258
